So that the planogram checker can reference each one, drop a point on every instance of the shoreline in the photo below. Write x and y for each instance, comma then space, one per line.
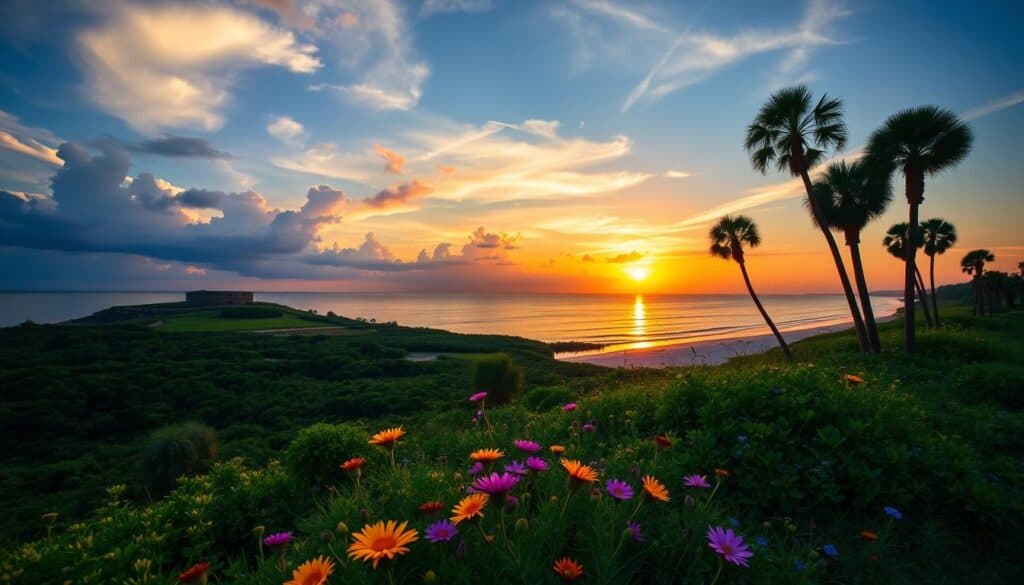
710, 352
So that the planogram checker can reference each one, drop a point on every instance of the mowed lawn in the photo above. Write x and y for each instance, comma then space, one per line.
212, 321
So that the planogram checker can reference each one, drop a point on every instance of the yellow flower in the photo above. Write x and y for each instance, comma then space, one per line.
579, 473
655, 489
312, 572
470, 507
388, 437
381, 540
486, 455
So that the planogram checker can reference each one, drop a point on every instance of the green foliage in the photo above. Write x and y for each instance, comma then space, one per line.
548, 397
316, 452
249, 313
177, 450
496, 375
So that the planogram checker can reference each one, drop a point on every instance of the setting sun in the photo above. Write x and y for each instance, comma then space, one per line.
638, 273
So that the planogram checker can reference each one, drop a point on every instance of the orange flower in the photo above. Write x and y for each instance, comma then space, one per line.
388, 437
579, 474
662, 441
312, 572
568, 569
469, 507
353, 464
868, 535
378, 541
654, 489
853, 379
557, 449
431, 506
721, 472
195, 573
486, 455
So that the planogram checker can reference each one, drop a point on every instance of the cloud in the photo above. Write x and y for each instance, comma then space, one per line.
621, 14
677, 175
994, 106
393, 161
397, 195
195, 271
18, 141
288, 11
432, 7
159, 66
178, 146
286, 129
29, 148
626, 257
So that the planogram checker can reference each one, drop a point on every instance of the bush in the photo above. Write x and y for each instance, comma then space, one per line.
174, 451
496, 375
546, 398
316, 452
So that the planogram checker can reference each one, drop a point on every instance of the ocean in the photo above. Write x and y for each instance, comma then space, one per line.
616, 321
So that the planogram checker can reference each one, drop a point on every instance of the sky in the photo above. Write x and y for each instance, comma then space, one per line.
471, 145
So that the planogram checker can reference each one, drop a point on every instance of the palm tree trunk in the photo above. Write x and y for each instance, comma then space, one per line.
935, 299
858, 322
865, 297
919, 281
909, 332
767, 319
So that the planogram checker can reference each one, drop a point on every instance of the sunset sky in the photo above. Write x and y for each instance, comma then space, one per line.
470, 145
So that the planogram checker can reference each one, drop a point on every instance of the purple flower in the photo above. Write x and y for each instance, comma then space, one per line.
476, 468
442, 531
516, 467
527, 446
696, 481
619, 489
511, 502
589, 427
893, 513
730, 545
496, 485
634, 529
478, 397
278, 539
536, 464
569, 407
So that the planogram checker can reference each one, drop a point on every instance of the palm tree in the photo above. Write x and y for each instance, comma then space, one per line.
973, 264
919, 141
794, 134
938, 235
895, 241
727, 239
1020, 266
850, 196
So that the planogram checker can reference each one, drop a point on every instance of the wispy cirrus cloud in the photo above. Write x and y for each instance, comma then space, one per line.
996, 105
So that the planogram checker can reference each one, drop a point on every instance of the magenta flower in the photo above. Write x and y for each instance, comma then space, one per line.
476, 468
696, 481
619, 489
527, 446
496, 486
536, 464
478, 397
634, 529
589, 427
569, 407
516, 467
730, 545
278, 539
442, 531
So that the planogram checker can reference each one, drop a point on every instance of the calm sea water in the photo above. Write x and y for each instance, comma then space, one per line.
619, 321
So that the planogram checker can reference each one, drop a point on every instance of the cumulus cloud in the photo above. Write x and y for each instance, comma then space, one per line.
178, 146
397, 195
286, 129
162, 65
393, 161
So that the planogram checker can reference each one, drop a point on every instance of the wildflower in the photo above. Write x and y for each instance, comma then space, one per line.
430, 576
589, 427
730, 545
868, 535
441, 531
569, 407
476, 468
479, 396
721, 472
830, 551
496, 486
431, 506
654, 489
761, 541
381, 540
696, 481
388, 437
635, 531
579, 473
527, 446
312, 572
195, 574
486, 456
568, 569
662, 441
469, 507
278, 539
619, 489
799, 565
893, 513
536, 464
353, 464
516, 467
557, 449
853, 379
734, 522
511, 502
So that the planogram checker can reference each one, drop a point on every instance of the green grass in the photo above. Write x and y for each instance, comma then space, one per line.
211, 321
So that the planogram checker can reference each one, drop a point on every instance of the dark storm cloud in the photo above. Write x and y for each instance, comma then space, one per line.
178, 146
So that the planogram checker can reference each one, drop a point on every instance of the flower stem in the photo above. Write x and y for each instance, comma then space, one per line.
717, 573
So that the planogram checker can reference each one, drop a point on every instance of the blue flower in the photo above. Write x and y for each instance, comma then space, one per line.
830, 551
734, 522
893, 513
761, 541
799, 566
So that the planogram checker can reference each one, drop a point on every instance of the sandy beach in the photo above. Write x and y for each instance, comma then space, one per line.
701, 353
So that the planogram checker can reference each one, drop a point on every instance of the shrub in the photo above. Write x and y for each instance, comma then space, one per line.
496, 375
547, 397
177, 450
316, 452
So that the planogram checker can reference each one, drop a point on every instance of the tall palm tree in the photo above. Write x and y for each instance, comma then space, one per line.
850, 196
973, 264
938, 235
727, 239
794, 133
919, 141
895, 241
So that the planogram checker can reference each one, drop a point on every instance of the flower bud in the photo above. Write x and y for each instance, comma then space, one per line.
259, 530
326, 536
522, 524
341, 529
430, 577
364, 515
688, 500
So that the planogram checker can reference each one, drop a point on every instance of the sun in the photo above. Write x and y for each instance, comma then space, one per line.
638, 273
